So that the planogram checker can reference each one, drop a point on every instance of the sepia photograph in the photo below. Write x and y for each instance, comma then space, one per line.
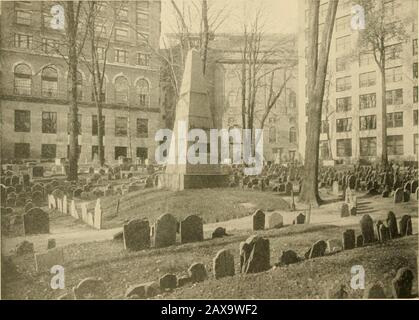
209, 150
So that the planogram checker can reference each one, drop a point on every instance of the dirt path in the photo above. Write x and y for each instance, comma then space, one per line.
65, 230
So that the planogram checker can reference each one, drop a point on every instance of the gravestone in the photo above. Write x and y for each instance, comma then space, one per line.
359, 241
142, 291
223, 264
37, 172
191, 229
168, 282
374, 291
51, 244
405, 225
197, 272
351, 182
165, 231
402, 283
344, 211
219, 232
254, 255
288, 257
398, 195
367, 228
46, 260
414, 186
25, 247
392, 225
288, 188
300, 219
258, 220
90, 288
318, 249
384, 233
275, 220
36, 221
136, 234
334, 245
37, 198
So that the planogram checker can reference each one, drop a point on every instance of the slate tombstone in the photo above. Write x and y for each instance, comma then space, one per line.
254, 255
405, 225
275, 220
359, 241
318, 249
414, 186
219, 232
36, 221
90, 288
367, 229
165, 231
384, 233
344, 211
288, 257
168, 282
374, 291
402, 283
398, 195
37, 198
191, 229
136, 234
392, 225
197, 272
348, 239
258, 220
351, 182
288, 188
300, 219
223, 264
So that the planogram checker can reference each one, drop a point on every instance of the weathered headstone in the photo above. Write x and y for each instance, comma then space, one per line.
191, 229
367, 228
165, 231
142, 291
334, 245
275, 220
359, 241
392, 225
36, 221
219, 232
405, 224
402, 283
51, 244
90, 288
288, 257
258, 220
384, 233
223, 264
25, 247
318, 249
344, 211
300, 219
197, 272
136, 234
254, 255
375, 291
168, 282
398, 195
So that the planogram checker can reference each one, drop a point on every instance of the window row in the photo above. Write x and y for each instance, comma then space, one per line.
49, 151
22, 123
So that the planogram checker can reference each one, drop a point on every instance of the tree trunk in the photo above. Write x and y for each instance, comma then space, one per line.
73, 61
100, 130
205, 35
384, 157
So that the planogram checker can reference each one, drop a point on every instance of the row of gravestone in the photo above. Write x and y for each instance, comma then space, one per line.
275, 220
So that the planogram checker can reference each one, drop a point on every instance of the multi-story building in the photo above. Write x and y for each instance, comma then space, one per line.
351, 115
34, 92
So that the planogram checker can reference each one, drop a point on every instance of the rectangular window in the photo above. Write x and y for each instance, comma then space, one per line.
395, 145
49, 46
415, 46
342, 64
100, 30
23, 41
343, 44
393, 52
23, 17
123, 14
368, 147
22, 121
142, 19
415, 117
394, 74
142, 128
367, 101
121, 126
143, 59
48, 151
367, 79
95, 125
344, 147
344, 125
365, 59
100, 51
120, 152
343, 84
415, 143
121, 34
415, 94
415, 70
343, 24
78, 129
121, 56
22, 150
95, 152
142, 37
142, 153
395, 119
49, 122
343, 104
368, 122
394, 97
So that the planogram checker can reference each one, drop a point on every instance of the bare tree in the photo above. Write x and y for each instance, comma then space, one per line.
317, 68
380, 29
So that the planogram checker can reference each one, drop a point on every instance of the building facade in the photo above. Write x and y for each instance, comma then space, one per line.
351, 115
35, 93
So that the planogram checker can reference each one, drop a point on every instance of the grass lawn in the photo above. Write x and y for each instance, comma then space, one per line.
212, 205
306, 279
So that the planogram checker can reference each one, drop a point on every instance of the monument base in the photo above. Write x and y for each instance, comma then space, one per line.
180, 181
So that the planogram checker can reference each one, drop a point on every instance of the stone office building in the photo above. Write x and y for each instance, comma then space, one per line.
34, 88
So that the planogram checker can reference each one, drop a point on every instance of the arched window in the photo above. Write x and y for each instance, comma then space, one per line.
49, 82
272, 135
293, 135
143, 92
292, 98
23, 79
121, 90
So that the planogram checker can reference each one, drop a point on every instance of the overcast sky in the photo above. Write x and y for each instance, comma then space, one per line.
280, 15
